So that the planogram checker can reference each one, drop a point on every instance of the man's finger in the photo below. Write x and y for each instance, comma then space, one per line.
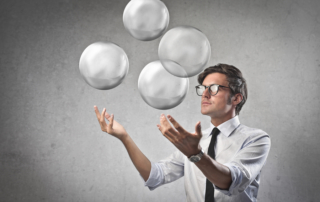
164, 121
110, 125
97, 112
169, 137
176, 124
102, 115
159, 127
166, 125
107, 116
198, 129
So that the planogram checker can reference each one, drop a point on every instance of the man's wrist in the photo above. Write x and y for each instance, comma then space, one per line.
194, 152
197, 157
124, 138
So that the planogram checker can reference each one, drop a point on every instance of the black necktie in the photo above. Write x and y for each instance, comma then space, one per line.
209, 187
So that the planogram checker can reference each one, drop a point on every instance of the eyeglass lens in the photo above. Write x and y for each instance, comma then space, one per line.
212, 89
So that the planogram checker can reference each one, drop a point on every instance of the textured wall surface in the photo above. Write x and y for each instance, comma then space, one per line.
51, 145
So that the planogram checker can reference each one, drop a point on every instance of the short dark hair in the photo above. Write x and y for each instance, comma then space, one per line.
237, 83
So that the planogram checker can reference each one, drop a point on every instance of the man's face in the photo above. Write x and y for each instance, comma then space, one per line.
217, 106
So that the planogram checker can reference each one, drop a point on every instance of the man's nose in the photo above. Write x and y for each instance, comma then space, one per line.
206, 93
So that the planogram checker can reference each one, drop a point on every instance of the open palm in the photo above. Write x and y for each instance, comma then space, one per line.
113, 128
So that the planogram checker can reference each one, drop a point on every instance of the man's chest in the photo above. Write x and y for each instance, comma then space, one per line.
225, 148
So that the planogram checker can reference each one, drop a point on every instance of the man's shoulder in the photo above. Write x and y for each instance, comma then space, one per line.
249, 133
249, 130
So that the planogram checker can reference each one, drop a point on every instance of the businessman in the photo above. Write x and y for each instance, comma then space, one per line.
220, 163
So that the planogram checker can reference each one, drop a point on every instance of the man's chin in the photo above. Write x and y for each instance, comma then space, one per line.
208, 113
205, 112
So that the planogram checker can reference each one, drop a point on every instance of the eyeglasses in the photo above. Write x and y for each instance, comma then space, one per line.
213, 89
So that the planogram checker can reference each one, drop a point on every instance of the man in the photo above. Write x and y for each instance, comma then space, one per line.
221, 163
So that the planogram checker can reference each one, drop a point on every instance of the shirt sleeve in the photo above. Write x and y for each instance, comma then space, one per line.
166, 170
247, 164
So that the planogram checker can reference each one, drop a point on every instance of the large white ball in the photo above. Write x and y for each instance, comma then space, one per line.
103, 65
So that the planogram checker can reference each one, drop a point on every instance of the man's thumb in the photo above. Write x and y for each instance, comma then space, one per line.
198, 128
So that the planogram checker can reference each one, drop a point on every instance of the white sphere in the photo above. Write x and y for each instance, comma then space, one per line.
103, 65
146, 20
160, 89
184, 48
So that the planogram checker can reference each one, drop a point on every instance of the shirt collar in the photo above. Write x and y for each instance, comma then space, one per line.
226, 128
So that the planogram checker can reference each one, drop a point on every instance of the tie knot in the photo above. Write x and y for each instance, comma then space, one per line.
215, 131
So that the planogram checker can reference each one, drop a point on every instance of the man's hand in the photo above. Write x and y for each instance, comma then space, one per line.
113, 128
187, 143
140, 161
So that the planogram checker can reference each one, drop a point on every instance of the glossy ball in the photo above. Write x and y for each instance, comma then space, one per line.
146, 20
185, 48
103, 65
160, 89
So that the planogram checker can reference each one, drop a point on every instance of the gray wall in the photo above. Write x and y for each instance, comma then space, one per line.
51, 145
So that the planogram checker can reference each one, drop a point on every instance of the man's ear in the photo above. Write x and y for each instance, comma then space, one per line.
237, 98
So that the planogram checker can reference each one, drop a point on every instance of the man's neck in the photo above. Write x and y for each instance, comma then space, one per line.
216, 121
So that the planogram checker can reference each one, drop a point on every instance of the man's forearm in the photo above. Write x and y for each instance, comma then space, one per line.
140, 161
217, 173
115, 129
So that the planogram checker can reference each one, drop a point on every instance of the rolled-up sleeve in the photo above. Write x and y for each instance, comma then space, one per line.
155, 178
166, 170
247, 164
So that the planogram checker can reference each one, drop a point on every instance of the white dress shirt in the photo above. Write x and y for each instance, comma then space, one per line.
242, 149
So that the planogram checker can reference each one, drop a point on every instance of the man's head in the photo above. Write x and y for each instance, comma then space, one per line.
233, 95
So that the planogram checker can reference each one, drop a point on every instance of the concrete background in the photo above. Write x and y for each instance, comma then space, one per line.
51, 145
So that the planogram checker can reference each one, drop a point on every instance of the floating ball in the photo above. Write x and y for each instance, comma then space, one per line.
103, 65
160, 89
146, 20
185, 48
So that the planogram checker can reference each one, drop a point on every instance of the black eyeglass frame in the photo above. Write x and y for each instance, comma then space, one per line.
210, 89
